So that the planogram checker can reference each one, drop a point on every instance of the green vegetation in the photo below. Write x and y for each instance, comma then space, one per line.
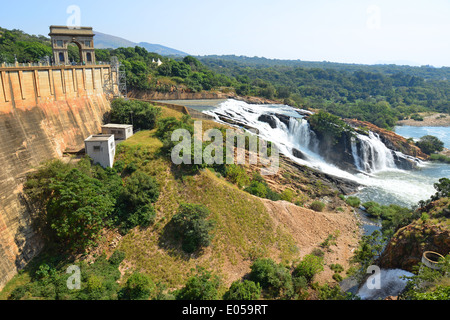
243, 290
139, 113
309, 267
317, 206
439, 158
73, 203
49, 280
328, 126
138, 287
274, 278
193, 227
430, 144
259, 187
200, 286
353, 201
429, 284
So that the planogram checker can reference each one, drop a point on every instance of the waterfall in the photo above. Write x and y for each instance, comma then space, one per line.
301, 135
391, 283
372, 154
290, 131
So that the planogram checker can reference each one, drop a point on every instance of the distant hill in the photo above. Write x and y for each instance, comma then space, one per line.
219, 63
104, 41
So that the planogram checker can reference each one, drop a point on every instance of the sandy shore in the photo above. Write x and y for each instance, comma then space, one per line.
429, 120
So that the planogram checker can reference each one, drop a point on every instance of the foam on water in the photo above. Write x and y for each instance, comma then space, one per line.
382, 181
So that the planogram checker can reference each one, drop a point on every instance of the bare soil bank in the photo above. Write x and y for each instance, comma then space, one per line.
429, 120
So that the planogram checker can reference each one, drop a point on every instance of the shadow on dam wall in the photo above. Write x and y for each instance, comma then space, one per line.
43, 112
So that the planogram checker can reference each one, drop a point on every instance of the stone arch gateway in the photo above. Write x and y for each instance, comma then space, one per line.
62, 36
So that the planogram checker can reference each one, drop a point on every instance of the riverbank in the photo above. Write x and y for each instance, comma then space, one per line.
429, 120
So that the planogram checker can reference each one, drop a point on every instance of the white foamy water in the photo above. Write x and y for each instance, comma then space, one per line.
382, 181
390, 283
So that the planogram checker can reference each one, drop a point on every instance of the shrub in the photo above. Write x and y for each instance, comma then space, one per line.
192, 226
138, 287
201, 286
287, 195
116, 258
309, 267
246, 290
353, 201
141, 114
317, 206
275, 278
237, 175
139, 192
430, 144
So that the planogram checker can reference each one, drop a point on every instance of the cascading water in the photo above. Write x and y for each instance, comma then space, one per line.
390, 283
372, 154
375, 166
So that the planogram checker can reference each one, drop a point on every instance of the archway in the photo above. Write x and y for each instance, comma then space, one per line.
75, 45
75, 52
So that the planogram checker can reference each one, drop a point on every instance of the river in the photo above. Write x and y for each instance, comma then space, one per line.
386, 185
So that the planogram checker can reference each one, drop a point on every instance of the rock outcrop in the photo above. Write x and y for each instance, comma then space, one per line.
390, 139
406, 247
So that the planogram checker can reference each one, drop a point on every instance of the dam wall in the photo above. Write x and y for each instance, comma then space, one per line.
44, 111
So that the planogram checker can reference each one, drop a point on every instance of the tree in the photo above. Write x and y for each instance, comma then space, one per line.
139, 113
309, 267
77, 210
138, 287
275, 278
200, 286
139, 192
430, 144
243, 290
193, 227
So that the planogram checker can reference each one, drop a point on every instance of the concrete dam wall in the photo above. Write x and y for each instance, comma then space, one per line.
44, 111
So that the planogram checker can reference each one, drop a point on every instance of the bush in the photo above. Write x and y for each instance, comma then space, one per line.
192, 226
353, 201
430, 144
201, 286
141, 114
246, 290
237, 175
139, 192
138, 287
275, 278
317, 206
309, 267
117, 258
287, 195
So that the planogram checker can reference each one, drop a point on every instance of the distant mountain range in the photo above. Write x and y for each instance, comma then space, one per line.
105, 41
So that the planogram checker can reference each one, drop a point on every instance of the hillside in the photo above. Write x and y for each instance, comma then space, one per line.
248, 227
106, 41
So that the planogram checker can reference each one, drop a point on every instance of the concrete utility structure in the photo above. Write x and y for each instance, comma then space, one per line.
101, 148
432, 259
62, 36
120, 131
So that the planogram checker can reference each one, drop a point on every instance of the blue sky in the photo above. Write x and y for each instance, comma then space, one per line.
353, 31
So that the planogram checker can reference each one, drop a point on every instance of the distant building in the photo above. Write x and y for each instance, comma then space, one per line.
101, 148
120, 131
